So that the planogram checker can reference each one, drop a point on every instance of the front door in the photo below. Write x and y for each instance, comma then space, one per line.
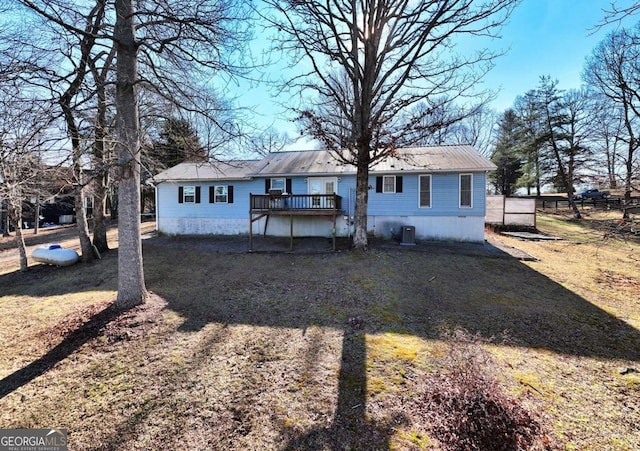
322, 185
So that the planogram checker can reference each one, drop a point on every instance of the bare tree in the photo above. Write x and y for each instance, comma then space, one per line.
615, 13
172, 44
198, 36
613, 70
394, 54
131, 286
22, 126
180, 50
449, 123
268, 141
87, 41
477, 129
74, 31
608, 129
102, 149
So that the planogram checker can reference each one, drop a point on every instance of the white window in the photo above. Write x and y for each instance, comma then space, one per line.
221, 194
189, 194
389, 184
425, 191
280, 184
466, 190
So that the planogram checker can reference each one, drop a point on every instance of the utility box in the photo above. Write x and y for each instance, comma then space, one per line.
408, 236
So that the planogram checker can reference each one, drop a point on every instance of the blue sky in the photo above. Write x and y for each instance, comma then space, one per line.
547, 37
542, 37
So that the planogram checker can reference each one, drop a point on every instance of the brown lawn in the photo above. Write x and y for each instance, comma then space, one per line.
321, 350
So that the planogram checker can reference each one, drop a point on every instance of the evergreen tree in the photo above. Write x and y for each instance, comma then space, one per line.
506, 155
535, 167
178, 142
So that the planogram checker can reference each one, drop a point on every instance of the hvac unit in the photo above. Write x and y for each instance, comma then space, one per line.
408, 237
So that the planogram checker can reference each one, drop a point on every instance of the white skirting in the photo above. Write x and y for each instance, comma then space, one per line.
203, 226
455, 228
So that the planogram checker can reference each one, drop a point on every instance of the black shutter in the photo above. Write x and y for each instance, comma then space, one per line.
267, 185
197, 194
212, 194
180, 194
378, 184
398, 184
230, 194
288, 186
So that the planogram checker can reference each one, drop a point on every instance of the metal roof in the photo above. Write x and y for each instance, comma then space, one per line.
303, 163
458, 158
216, 170
413, 159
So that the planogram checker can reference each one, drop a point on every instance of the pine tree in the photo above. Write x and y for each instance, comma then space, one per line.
505, 155
179, 142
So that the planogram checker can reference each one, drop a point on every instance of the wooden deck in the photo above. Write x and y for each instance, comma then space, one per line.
266, 205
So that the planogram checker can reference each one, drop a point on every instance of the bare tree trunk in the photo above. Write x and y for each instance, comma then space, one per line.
99, 217
610, 149
100, 152
15, 218
112, 201
629, 175
101, 186
74, 134
36, 225
567, 182
83, 227
66, 103
360, 240
538, 183
6, 225
131, 286
627, 181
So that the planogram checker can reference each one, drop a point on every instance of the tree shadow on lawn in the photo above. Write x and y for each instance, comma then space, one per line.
45, 281
86, 332
42, 280
350, 428
416, 293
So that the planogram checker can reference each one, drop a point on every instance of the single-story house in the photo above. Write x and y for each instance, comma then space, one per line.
438, 190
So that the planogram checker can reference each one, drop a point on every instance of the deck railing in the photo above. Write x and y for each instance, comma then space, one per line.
296, 202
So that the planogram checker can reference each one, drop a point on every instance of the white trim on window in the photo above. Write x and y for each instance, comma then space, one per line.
465, 189
221, 194
428, 191
279, 183
384, 183
189, 194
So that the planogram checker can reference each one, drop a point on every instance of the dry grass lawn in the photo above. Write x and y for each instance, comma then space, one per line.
240, 351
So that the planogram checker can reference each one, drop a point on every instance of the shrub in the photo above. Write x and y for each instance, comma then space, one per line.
466, 409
